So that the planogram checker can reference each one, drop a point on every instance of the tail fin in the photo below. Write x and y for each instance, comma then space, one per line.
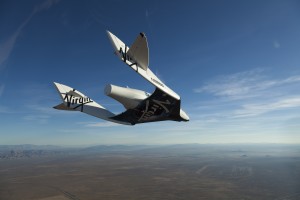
74, 100
137, 54
139, 51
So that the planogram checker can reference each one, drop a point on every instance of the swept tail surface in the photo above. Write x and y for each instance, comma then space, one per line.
73, 100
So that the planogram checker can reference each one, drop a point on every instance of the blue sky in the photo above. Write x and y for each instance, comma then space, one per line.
235, 64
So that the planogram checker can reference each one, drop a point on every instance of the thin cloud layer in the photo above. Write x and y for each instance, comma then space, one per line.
276, 44
250, 93
243, 85
101, 124
8, 45
258, 109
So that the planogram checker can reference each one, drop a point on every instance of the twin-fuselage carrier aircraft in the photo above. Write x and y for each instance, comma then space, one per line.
141, 107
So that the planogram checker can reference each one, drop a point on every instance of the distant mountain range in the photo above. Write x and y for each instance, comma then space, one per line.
29, 147
30, 151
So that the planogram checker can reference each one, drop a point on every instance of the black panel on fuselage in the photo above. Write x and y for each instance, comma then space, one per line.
157, 107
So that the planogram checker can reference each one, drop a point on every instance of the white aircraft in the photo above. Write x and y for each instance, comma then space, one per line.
141, 107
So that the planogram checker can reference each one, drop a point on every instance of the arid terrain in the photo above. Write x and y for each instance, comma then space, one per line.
150, 172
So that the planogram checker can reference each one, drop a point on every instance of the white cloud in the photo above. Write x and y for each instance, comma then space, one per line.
42, 119
276, 44
234, 86
258, 109
101, 124
249, 94
70, 130
5, 110
243, 85
45, 5
6, 48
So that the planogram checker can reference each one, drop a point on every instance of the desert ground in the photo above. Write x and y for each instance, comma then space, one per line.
172, 172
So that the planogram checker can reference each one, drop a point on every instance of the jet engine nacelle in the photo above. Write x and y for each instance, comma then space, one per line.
130, 98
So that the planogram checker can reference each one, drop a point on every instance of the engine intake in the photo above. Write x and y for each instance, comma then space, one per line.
130, 98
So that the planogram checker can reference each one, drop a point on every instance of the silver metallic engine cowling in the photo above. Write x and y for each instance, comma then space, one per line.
130, 98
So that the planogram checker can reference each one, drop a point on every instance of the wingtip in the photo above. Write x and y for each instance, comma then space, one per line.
109, 34
61, 87
184, 116
56, 84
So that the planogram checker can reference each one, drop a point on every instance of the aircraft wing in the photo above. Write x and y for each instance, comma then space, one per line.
164, 103
157, 107
137, 58
73, 100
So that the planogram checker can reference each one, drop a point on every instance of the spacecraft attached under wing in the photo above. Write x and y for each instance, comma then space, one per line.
141, 107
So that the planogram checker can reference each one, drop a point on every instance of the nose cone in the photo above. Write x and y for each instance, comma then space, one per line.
184, 116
